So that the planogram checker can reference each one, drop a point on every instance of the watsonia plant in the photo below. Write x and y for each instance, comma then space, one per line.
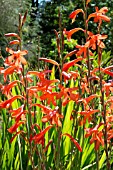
63, 123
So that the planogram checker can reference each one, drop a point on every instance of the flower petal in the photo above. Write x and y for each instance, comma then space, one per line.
67, 65
74, 14
49, 61
13, 128
74, 141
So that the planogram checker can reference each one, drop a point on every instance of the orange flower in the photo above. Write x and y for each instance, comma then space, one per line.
95, 40
99, 15
51, 115
70, 54
71, 32
49, 61
39, 138
43, 81
63, 94
12, 35
7, 71
87, 2
97, 135
108, 88
18, 113
16, 57
7, 103
68, 76
67, 94
83, 50
106, 71
67, 65
74, 14
74, 141
50, 97
14, 42
6, 89
41, 74
17, 133
87, 115
13, 128
87, 100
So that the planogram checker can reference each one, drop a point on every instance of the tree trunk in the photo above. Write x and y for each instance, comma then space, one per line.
33, 3
37, 3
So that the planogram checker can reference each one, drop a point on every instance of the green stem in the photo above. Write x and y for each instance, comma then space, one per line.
108, 166
97, 158
20, 153
38, 56
19, 142
26, 106
60, 102
81, 153
86, 35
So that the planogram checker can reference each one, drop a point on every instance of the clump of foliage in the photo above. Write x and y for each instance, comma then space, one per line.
63, 123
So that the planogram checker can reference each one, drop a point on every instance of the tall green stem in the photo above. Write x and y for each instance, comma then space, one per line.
29, 121
86, 35
108, 166
97, 159
60, 73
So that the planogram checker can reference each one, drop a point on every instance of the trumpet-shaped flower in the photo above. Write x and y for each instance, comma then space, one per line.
16, 57
8, 71
95, 40
39, 138
71, 32
99, 15
75, 13
6, 89
83, 50
74, 141
51, 115
7, 103
13, 128
97, 135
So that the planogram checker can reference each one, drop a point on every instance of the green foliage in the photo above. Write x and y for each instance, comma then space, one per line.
49, 20
55, 111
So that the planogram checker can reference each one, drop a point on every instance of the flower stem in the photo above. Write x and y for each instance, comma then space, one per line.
60, 73
108, 166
